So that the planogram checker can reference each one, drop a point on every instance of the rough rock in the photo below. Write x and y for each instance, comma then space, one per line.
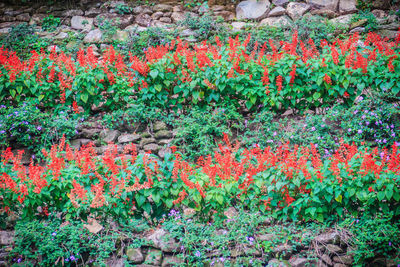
388, 33
163, 151
6, 238
94, 36
238, 25
165, 20
154, 257
347, 6
231, 213
283, 21
328, 238
163, 134
277, 263
143, 20
327, 259
134, 255
379, 14
61, 36
157, 15
170, 261
324, 13
162, 8
146, 141
93, 226
187, 33
226, 15
72, 12
333, 249
154, 148
252, 9
23, 17
342, 20
115, 262
121, 36
383, 4
128, 138
345, 259
37, 19
280, 2
163, 241
93, 12
109, 135
328, 4
298, 262
296, 10
90, 133
81, 23
177, 16
277, 11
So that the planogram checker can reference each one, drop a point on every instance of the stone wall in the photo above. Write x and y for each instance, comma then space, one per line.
86, 16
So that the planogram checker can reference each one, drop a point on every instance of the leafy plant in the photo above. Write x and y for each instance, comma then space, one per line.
123, 9
371, 22
204, 26
50, 23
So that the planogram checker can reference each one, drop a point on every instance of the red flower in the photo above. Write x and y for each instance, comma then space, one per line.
279, 80
370, 189
327, 79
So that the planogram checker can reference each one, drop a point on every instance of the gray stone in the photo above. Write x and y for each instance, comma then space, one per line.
109, 135
296, 10
153, 148
298, 262
90, 133
170, 261
328, 238
328, 4
277, 263
157, 15
388, 33
392, 26
225, 14
61, 36
163, 151
115, 262
146, 141
162, 134
73, 12
94, 36
128, 138
283, 21
177, 17
345, 259
165, 20
6, 238
93, 12
347, 6
162, 240
165, 141
238, 25
333, 249
154, 257
342, 20
121, 36
252, 9
37, 19
327, 259
187, 33
81, 23
23, 17
162, 8
216, 8
231, 213
137, 10
280, 2
324, 13
383, 4
4, 31
143, 20
277, 11
134, 255
357, 29
379, 14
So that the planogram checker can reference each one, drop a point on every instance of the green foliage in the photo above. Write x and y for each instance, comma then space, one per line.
55, 244
108, 27
371, 22
27, 126
123, 9
204, 26
373, 236
372, 121
200, 130
140, 40
50, 23
22, 38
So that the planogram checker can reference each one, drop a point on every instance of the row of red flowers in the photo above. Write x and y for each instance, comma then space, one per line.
275, 74
295, 183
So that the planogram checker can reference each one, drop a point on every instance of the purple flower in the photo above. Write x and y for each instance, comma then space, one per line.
1, 132
54, 234
359, 131
312, 128
39, 128
19, 260
198, 254
390, 243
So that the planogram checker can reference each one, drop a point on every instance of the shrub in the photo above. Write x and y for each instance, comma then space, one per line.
204, 26
50, 23
373, 236
198, 132
27, 126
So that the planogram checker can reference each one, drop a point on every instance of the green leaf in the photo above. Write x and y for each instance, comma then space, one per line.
154, 73
219, 199
158, 87
381, 195
84, 98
